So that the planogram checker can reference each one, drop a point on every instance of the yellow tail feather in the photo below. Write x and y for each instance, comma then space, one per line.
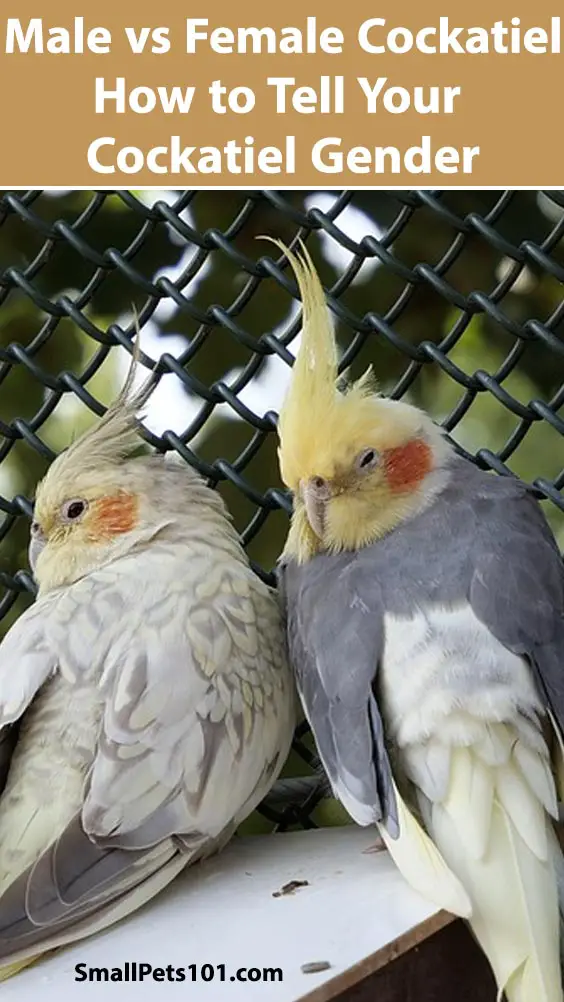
511, 880
422, 865
11, 969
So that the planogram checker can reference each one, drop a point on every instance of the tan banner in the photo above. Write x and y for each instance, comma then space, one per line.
270, 95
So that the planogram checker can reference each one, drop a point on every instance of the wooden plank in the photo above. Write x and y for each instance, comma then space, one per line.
446, 967
364, 970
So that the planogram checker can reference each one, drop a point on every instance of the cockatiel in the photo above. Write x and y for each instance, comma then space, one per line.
150, 684
425, 610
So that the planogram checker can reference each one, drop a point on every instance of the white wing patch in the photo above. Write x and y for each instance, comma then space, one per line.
440, 661
467, 720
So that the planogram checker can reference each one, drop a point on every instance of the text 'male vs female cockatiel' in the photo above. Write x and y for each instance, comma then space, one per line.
151, 683
425, 611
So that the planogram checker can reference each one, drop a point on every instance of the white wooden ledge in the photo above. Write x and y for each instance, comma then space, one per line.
356, 913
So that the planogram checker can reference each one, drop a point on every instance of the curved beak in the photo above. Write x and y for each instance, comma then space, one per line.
315, 499
36, 544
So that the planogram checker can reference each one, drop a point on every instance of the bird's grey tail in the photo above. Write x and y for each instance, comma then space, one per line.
77, 888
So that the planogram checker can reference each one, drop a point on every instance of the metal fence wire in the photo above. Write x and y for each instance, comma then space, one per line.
456, 298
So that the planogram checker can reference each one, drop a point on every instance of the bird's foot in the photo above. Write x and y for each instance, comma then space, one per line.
377, 846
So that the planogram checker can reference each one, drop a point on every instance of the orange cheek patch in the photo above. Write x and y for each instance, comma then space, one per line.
115, 514
407, 465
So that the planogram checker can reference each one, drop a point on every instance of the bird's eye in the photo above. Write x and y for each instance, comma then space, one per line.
73, 510
367, 459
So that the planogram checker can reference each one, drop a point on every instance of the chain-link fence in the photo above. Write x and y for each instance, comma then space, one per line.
456, 298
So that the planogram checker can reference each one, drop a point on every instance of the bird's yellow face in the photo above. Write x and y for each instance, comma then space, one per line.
358, 502
76, 522
362, 476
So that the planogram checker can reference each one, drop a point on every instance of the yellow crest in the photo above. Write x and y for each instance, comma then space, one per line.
315, 416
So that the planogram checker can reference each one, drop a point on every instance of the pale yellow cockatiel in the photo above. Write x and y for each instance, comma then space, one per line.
146, 705
425, 607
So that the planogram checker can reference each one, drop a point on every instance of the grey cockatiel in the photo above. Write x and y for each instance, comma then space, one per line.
425, 606
151, 687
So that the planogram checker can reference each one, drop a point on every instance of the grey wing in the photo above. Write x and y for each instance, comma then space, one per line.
193, 734
517, 591
336, 635
77, 888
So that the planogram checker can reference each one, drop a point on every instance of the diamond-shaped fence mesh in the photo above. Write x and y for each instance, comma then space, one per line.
455, 298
